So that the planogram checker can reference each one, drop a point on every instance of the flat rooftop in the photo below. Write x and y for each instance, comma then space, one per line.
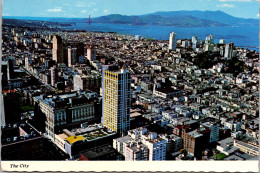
87, 129
247, 145
123, 139
93, 132
95, 135
136, 148
98, 151
63, 136
195, 134
227, 141
73, 139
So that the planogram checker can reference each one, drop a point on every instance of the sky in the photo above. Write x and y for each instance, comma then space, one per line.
95, 8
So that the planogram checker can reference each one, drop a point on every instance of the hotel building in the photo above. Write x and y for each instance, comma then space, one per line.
116, 93
66, 111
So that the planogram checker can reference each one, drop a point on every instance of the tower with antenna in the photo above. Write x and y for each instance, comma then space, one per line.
89, 21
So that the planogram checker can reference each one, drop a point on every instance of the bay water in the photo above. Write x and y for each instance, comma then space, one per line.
240, 36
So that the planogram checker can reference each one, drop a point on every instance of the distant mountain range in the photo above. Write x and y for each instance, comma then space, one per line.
170, 18
152, 19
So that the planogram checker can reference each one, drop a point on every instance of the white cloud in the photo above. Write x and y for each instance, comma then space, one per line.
91, 4
83, 11
226, 6
84, 4
57, 9
237, 0
80, 5
93, 11
257, 15
106, 11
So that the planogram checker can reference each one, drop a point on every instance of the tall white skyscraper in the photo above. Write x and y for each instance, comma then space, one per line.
172, 41
194, 41
116, 93
229, 50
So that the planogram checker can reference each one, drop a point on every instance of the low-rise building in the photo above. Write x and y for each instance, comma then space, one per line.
118, 143
141, 145
174, 143
166, 92
80, 139
90, 82
135, 151
226, 146
233, 126
246, 147
104, 152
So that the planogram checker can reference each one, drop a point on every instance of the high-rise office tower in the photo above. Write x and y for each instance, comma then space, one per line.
229, 50
172, 41
116, 93
72, 56
210, 39
208, 47
91, 53
194, 42
57, 49
54, 75
194, 39
10, 69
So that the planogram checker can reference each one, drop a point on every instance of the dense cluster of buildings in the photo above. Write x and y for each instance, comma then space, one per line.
105, 96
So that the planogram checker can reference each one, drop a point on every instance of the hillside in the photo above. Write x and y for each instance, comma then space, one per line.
154, 19
217, 16
170, 18
33, 23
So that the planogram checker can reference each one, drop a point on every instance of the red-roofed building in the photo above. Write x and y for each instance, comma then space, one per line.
8, 91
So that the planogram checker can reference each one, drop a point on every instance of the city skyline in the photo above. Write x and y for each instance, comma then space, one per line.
84, 8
